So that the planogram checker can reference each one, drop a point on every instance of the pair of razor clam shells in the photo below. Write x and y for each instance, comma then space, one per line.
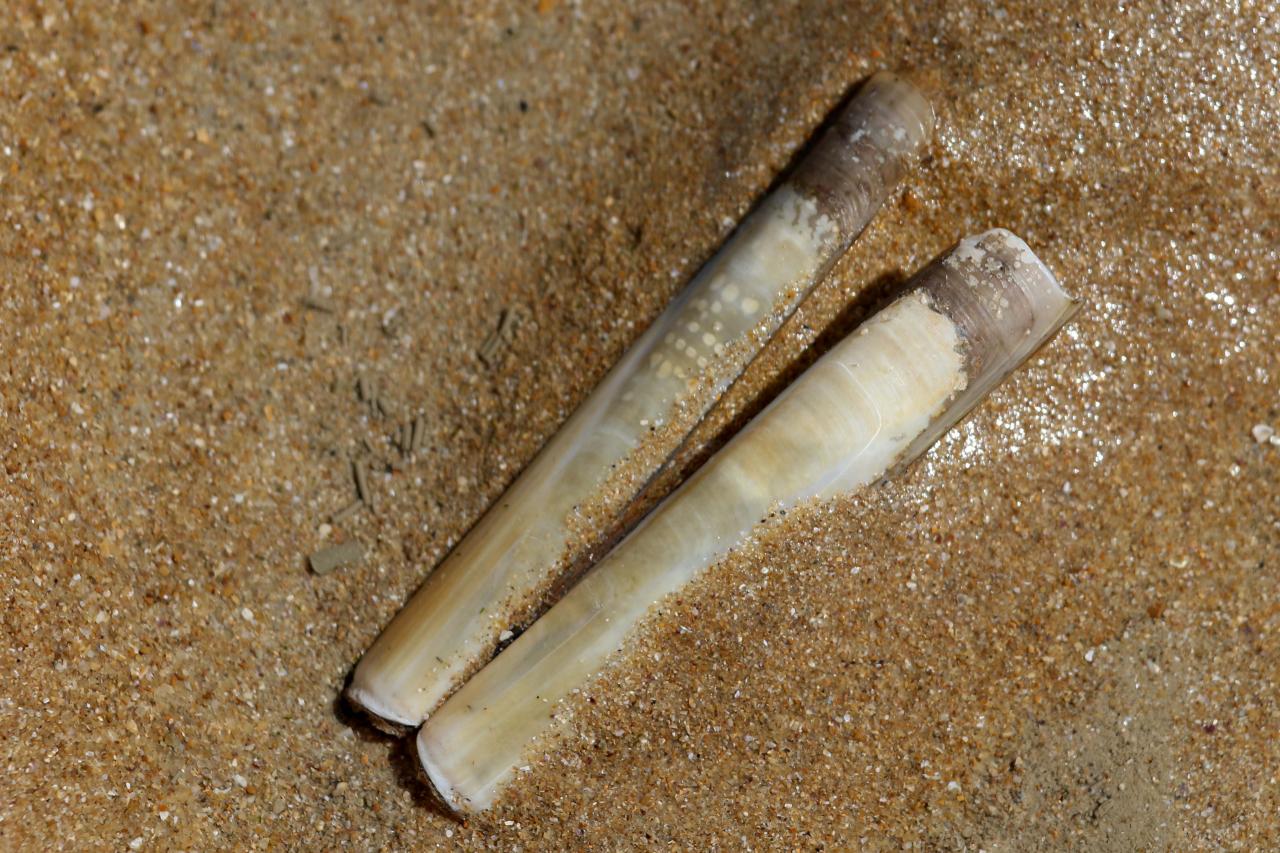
875, 401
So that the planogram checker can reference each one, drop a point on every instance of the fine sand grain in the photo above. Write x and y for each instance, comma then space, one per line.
1059, 631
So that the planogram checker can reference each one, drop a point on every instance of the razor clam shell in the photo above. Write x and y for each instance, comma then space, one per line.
876, 400
636, 418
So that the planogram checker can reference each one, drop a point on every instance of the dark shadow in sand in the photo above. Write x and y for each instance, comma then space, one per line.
401, 755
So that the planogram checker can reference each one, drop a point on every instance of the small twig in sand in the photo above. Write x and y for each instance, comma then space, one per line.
509, 320
346, 512
417, 435
362, 483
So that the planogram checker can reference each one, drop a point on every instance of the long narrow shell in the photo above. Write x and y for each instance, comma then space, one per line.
879, 398
606, 452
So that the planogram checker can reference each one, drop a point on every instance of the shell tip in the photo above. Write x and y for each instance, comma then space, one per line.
382, 715
435, 774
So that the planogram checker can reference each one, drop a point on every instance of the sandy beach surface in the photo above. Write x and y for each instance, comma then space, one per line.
1059, 631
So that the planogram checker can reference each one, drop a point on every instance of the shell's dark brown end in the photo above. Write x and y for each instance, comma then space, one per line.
899, 103
999, 295
864, 154
1005, 304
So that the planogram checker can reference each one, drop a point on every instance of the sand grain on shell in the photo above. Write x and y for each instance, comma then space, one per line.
1057, 632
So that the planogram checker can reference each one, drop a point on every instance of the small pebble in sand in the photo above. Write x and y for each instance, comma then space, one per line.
336, 556
317, 303
1263, 433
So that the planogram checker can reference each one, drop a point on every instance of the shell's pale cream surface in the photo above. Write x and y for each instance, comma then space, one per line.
644, 407
879, 397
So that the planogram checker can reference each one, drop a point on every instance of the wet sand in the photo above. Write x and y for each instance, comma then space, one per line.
1061, 630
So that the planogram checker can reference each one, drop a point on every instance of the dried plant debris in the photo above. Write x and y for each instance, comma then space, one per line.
418, 434
509, 321
361, 470
365, 390
407, 436
347, 511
